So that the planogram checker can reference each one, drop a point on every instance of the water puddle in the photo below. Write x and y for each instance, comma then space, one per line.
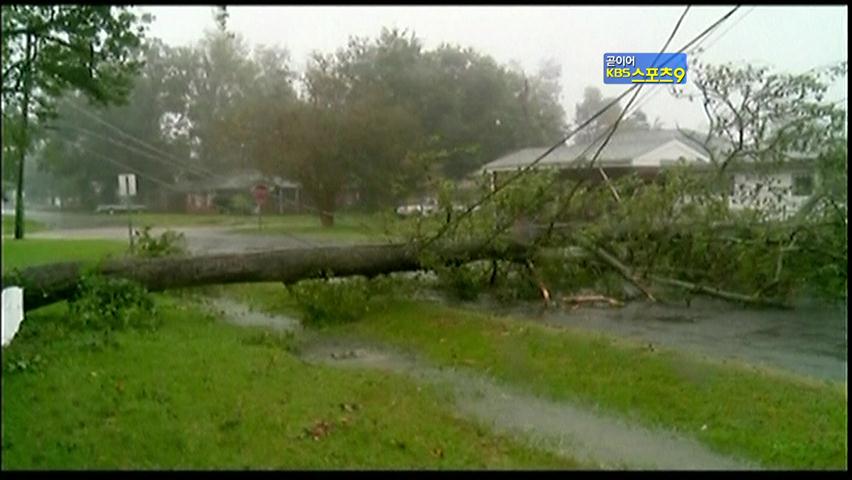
240, 314
559, 427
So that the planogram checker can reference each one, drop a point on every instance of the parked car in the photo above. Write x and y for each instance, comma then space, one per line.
113, 208
426, 207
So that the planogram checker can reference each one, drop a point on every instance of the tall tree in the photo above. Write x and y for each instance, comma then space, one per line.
50, 49
592, 102
765, 115
219, 74
258, 117
147, 135
338, 140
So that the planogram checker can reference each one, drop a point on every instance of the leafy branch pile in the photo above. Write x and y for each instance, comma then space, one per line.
687, 228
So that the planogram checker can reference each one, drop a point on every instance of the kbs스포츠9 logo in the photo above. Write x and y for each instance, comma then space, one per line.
669, 68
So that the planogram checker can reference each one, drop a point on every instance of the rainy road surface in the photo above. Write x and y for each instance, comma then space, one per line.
810, 340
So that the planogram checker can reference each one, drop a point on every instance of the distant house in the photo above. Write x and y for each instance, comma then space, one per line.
233, 193
647, 152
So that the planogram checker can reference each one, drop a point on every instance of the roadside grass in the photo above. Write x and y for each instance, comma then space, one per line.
352, 227
32, 251
183, 219
776, 419
348, 226
199, 393
29, 226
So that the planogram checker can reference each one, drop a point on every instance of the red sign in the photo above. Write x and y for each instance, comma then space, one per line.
260, 192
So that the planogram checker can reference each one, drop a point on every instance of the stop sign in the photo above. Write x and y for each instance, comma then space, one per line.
260, 192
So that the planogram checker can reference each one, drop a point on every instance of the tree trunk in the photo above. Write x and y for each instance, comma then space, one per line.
23, 142
51, 283
327, 202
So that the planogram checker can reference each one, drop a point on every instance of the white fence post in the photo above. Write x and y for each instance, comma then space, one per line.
13, 312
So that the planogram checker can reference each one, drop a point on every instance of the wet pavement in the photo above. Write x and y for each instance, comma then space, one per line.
199, 240
810, 340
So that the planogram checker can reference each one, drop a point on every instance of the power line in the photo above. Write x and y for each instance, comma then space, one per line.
550, 150
119, 164
137, 150
362, 225
608, 133
649, 95
131, 137
171, 187
197, 170
627, 107
731, 26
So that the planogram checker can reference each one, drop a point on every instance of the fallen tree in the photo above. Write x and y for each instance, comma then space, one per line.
46, 284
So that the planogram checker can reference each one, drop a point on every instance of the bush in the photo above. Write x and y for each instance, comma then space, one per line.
464, 282
111, 304
338, 300
169, 243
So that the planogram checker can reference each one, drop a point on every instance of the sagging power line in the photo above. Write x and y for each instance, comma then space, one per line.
522, 171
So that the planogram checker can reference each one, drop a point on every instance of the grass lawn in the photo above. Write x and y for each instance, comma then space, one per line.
29, 225
31, 251
183, 219
198, 393
351, 227
776, 419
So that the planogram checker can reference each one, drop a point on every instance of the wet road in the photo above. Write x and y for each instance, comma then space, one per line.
810, 340
199, 239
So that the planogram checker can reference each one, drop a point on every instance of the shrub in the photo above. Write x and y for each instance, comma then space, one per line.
339, 300
464, 282
102, 303
169, 243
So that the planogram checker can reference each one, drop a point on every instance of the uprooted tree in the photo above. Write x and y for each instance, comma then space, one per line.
682, 230
545, 232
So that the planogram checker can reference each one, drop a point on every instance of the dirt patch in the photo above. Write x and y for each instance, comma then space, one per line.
560, 427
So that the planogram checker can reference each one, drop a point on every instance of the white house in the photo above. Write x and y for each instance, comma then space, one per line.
646, 152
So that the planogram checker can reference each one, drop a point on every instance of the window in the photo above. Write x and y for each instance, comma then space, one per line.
803, 185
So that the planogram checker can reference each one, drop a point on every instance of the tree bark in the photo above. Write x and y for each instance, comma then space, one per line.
51, 283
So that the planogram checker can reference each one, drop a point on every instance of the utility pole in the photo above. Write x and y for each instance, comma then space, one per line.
23, 141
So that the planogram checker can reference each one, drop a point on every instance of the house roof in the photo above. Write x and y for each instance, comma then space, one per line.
623, 149
242, 180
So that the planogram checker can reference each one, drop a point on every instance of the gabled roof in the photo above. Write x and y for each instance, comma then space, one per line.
623, 149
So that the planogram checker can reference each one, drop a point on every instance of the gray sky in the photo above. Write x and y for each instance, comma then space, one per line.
788, 38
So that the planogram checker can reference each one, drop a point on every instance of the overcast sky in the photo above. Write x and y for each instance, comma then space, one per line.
789, 38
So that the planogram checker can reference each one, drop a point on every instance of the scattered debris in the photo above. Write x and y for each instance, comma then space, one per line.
576, 300
319, 430
345, 355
